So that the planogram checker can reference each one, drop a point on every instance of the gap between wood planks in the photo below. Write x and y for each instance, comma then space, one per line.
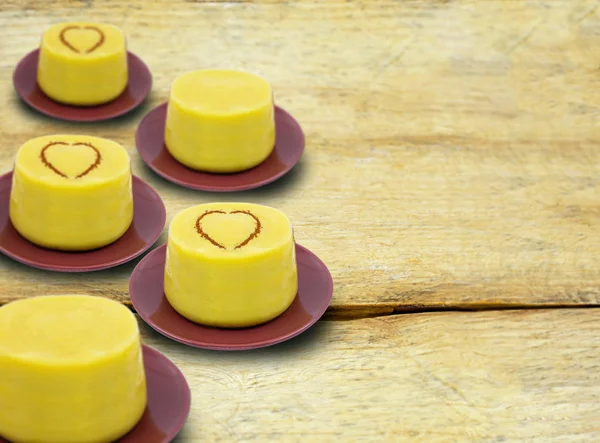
362, 312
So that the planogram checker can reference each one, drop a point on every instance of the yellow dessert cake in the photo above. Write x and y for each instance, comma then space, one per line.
220, 121
230, 264
71, 370
71, 192
82, 63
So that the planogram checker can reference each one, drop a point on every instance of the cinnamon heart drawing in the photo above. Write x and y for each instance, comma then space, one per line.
248, 239
65, 41
55, 169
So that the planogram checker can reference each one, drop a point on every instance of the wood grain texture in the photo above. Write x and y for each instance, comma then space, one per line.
516, 376
453, 150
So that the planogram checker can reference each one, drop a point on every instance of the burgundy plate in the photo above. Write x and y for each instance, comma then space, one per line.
149, 218
169, 402
138, 88
315, 289
289, 145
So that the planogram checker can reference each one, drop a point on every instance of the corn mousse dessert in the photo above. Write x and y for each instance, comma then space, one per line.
71, 192
220, 121
71, 370
82, 64
230, 264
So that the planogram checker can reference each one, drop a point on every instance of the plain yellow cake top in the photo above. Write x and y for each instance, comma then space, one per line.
221, 92
72, 160
83, 39
230, 230
65, 329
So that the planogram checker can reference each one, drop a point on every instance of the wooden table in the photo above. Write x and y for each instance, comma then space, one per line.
452, 164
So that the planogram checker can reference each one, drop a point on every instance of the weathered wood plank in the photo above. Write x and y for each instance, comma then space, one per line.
452, 377
452, 147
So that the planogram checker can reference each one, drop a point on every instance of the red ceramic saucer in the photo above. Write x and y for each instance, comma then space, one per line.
289, 146
138, 87
148, 222
315, 289
169, 402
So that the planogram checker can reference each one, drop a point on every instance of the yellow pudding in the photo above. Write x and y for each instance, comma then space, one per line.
220, 121
71, 192
230, 264
71, 370
82, 63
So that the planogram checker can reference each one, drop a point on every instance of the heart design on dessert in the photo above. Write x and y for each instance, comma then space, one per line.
99, 38
53, 167
220, 244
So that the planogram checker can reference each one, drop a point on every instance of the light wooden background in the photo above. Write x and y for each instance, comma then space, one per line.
452, 163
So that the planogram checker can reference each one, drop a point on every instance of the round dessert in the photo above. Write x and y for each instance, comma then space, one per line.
82, 64
71, 192
230, 264
220, 121
71, 370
